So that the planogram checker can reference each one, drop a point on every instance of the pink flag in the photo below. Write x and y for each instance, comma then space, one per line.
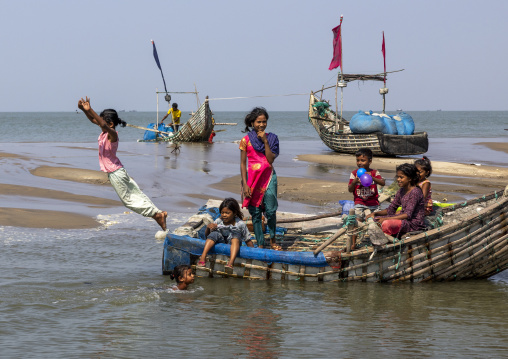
383, 50
337, 47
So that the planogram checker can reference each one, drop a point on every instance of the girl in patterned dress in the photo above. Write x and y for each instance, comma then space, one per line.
410, 198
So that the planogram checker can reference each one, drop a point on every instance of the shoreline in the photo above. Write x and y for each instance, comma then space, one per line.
315, 180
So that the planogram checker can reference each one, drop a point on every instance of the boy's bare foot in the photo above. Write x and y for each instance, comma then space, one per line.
160, 218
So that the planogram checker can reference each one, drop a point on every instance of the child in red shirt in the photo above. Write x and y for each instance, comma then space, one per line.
365, 197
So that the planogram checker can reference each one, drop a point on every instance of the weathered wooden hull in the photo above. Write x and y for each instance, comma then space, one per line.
380, 144
474, 247
198, 128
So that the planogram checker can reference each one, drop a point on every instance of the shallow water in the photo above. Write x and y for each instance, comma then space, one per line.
99, 293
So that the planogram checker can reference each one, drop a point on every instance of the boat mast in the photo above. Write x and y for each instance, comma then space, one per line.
339, 126
384, 90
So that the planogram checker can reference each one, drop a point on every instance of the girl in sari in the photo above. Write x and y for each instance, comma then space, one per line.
259, 181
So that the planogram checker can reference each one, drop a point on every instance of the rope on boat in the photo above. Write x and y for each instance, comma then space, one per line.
242, 97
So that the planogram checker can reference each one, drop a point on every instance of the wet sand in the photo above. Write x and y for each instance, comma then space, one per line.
496, 146
72, 174
318, 180
31, 218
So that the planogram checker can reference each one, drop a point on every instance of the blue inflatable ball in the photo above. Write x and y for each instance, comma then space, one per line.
360, 172
366, 180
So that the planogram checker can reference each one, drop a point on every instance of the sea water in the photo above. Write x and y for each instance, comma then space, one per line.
99, 293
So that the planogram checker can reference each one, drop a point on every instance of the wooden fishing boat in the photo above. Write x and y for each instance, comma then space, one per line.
470, 241
197, 128
335, 133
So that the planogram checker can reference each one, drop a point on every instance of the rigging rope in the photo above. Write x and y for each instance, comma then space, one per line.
242, 97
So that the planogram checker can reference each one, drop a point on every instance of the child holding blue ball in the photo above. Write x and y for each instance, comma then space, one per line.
363, 184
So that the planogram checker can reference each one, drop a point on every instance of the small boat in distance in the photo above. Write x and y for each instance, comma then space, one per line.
197, 128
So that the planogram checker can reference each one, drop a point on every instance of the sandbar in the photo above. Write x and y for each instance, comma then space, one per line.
19, 190
71, 174
31, 218
496, 146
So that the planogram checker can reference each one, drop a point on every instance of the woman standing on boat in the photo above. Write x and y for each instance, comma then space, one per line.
259, 181
128, 190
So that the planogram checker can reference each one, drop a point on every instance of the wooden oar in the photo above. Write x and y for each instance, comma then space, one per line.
148, 129
332, 239
376, 231
312, 218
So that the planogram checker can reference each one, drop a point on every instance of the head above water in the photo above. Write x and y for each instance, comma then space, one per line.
409, 170
111, 117
253, 115
179, 273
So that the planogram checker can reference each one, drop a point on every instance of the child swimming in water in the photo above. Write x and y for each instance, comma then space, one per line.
183, 276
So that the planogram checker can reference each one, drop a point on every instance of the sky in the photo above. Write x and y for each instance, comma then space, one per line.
453, 52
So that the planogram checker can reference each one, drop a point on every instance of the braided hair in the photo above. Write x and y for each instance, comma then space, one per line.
111, 116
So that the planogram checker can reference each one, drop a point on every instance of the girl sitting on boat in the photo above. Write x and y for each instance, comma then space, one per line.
410, 198
424, 169
128, 190
183, 276
228, 228
259, 180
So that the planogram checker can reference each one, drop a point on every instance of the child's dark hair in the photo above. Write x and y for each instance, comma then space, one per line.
424, 163
410, 171
233, 205
175, 105
111, 116
178, 272
364, 152
251, 117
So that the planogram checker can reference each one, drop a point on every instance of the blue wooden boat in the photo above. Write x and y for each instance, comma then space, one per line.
469, 241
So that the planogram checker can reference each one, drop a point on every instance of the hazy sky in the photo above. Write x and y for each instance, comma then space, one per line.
53, 52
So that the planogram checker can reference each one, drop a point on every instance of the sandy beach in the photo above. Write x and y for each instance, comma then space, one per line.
307, 179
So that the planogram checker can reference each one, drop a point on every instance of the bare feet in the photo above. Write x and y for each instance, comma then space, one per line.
160, 218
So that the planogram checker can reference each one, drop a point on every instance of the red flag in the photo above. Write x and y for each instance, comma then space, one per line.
383, 50
337, 47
